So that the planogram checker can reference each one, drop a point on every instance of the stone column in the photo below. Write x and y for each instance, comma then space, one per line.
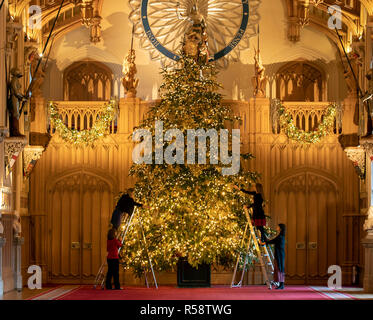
2, 243
367, 242
18, 242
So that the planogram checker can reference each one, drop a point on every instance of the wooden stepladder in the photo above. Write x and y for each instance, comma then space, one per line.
127, 222
263, 253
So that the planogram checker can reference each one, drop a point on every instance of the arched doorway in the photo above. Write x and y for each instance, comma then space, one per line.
308, 200
79, 206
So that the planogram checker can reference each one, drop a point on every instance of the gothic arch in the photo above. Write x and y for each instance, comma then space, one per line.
301, 81
79, 207
308, 201
279, 179
100, 174
88, 81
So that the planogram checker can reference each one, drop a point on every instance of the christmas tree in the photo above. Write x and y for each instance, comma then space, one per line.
193, 209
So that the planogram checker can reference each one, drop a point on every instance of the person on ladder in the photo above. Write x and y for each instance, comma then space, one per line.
279, 268
113, 244
124, 204
258, 218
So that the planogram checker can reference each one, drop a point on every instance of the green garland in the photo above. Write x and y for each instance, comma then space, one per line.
301, 136
84, 137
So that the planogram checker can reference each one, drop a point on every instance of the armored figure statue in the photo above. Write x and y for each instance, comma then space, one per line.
14, 102
130, 83
259, 80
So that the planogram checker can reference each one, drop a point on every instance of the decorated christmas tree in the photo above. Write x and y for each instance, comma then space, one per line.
193, 209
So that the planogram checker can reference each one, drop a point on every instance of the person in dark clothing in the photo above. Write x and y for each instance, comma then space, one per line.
279, 242
124, 204
258, 217
113, 244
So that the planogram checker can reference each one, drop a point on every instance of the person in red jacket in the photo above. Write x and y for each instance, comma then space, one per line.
113, 244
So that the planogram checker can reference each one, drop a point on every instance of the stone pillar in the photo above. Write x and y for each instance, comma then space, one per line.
3, 14
18, 242
262, 109
367, 242
2, 243
38, 115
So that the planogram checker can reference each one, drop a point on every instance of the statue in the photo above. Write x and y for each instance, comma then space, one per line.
14, 102
129, 81
195, 42
259, 80
38, 80
17, 228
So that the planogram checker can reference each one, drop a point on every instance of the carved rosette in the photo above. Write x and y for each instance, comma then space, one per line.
31, 154
13, 146
357, 156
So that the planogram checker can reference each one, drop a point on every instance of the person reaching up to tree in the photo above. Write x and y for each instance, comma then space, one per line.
258, 217
124, 204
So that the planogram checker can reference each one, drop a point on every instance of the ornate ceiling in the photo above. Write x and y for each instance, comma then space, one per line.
301, 13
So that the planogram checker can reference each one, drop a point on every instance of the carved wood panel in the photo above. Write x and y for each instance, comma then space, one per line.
80, 207
308, 203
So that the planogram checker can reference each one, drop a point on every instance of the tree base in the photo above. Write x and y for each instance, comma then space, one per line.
189, 277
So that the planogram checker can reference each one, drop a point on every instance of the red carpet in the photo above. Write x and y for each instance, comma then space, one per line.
214, 293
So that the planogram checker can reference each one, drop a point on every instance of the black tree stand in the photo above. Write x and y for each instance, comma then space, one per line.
189, 277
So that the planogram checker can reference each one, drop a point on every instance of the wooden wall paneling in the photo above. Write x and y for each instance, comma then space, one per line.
8, 253
65, 233
321, 251
300, 229
75, 233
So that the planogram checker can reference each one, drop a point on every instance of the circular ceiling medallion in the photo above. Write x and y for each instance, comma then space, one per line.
161, 24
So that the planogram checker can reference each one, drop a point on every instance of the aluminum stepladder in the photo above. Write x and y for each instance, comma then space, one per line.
127, 222
262, 251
